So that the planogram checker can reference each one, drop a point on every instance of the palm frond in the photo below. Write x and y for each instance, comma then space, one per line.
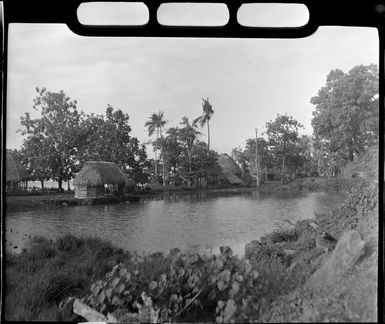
197, 120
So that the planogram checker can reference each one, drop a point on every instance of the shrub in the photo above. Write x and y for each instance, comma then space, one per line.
186, 286
68, 243
288, 235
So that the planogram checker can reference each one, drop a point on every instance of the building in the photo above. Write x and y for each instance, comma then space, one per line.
16, 176
99, 179
230, 170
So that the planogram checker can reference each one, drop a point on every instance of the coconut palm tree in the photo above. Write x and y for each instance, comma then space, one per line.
154, 125
188, 135
205, 118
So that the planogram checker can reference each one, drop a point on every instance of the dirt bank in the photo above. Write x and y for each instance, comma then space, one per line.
353, 297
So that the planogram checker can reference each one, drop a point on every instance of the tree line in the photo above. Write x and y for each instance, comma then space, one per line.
345, 124
62, 138
181, 151
58, 142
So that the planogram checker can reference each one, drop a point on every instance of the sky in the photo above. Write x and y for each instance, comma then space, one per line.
248, 81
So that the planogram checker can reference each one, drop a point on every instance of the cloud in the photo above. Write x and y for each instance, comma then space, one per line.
248, 81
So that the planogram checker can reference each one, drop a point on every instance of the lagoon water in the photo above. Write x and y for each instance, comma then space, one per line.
195, 222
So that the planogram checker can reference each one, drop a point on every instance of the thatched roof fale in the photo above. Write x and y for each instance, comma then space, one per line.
232, 178
12, 175
98, 173
227, 163
15, 171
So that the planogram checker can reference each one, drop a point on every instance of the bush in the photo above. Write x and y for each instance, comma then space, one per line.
68, 243
180, 286
288, 235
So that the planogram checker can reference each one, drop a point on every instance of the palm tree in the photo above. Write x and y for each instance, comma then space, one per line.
205, 118
155, 124
188, 134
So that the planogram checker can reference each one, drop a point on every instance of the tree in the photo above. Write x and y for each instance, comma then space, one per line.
241, 158
52, 139
203, 161
282, 135
246, 158
188, 134
155, 124
346, 114
37, 159
172, 148
107, 138
305, 147
205, 118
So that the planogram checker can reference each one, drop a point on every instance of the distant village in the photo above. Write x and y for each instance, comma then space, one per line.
101, 158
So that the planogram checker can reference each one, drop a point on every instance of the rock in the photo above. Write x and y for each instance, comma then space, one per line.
252, 248
348, 250
65, 311
87, 312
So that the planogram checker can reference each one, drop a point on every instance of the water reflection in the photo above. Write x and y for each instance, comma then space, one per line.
190, 221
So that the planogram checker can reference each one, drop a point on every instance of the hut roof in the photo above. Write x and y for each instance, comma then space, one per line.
228, 164
15, 171
97, 173
11, 171
231, 177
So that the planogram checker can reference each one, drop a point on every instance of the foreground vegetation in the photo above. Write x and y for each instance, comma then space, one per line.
264, 285
40, 277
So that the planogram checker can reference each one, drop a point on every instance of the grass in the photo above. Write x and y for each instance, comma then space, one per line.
38, 279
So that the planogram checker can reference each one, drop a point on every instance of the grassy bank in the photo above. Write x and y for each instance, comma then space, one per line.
265, 285
40, 277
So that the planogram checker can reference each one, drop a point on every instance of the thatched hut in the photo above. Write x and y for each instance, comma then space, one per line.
227, 163
232, 178
11, 173
230, 170
15, 173
99, 179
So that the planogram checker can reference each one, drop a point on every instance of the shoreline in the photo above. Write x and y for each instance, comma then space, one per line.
17, 203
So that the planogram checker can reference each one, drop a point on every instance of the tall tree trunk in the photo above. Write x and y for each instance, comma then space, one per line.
208, 134
283, 163
189, 160
42, 185
68, 185
60, 181
156, 155
163, 166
